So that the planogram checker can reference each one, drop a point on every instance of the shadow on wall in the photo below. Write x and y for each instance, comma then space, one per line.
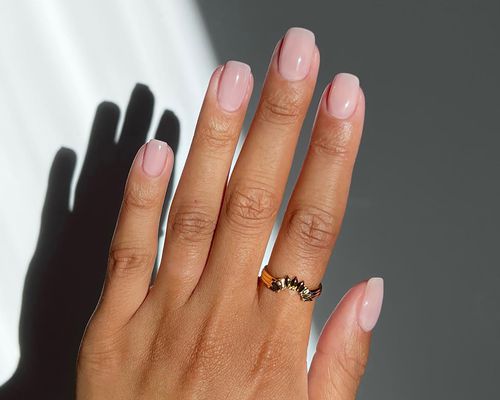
67, 271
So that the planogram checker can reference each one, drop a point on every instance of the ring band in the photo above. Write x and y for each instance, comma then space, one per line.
278, 284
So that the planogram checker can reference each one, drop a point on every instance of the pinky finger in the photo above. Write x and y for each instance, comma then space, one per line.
342, 351
134, 245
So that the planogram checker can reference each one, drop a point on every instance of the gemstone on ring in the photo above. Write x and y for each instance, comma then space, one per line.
279, 284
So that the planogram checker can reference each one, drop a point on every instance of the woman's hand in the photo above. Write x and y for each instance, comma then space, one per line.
208, 328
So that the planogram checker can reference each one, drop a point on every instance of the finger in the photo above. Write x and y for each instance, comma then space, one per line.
256, 187
102, 135
316, 208
196, 205
56, 206
168, 130
137, 122
342, 351
101, 146
133, 248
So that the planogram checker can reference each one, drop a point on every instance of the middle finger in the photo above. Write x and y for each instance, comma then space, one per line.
256, 187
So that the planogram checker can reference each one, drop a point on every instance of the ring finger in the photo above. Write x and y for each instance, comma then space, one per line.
316, 208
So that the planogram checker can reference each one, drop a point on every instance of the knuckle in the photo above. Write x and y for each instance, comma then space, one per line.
156, 349
193, 225
217, 133
97, 360
100, 351
281, 107
270, 357
124, 260
209, 352
141, 197
251, 206
332, 144
311, 229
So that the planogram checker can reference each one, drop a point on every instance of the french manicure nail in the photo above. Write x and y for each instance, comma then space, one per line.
296, 54
369, 310
155, 157
233, 85
343, 95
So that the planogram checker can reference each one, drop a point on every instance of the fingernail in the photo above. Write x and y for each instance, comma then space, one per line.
343, 95
296, 54
233, 85
371, 305
155, 157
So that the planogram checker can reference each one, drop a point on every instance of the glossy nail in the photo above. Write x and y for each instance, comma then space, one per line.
233, 85
155, 157
369, 310
296, 54
343, 95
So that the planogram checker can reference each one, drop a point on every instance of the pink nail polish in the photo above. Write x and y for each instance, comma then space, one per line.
155, 157
343, 95
296, 54
233, 85
371, 305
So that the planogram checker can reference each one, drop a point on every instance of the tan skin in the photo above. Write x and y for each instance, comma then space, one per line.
207, 329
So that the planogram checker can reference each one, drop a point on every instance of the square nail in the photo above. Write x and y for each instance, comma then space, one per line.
343, 95
233, 85
296, 54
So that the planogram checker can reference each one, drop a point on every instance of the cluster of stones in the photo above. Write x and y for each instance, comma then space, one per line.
292, 284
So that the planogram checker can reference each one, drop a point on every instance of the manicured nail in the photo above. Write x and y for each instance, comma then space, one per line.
296, 54
370, 308
233, 85
343, 95
155, 157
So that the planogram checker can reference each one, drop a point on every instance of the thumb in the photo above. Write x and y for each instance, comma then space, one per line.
342, 351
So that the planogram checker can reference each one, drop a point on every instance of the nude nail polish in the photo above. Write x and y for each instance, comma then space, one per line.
371, 305
233, 85
343, 95
155, 157
296, 54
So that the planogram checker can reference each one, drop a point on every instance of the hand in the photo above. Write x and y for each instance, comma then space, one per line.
208, 328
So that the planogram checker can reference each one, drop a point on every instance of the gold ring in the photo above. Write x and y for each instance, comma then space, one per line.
278, 284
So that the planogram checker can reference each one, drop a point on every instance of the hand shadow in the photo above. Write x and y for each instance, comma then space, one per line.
66, 273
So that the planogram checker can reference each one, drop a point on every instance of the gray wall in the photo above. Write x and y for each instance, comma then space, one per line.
424, 200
